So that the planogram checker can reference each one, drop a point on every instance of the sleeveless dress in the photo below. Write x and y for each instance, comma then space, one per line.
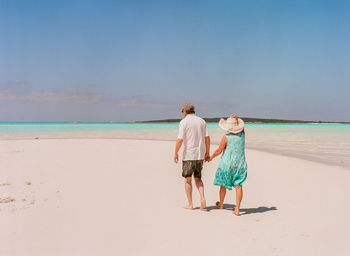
232, 169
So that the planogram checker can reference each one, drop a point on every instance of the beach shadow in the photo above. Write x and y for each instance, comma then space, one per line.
243, 211
259, 209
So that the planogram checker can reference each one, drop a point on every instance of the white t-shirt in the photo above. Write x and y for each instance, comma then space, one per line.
193, 130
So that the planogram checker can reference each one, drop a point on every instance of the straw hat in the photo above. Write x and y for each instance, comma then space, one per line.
232, 124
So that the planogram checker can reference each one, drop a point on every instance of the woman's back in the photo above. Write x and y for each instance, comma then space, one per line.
232, 169
234, 151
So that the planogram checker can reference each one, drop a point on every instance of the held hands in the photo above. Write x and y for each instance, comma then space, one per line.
211, 158
207, 157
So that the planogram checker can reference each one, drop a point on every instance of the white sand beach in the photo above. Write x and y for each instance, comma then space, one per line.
125, 197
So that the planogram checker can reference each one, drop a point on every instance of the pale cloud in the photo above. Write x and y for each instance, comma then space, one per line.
140, 103
51, 97
13, 84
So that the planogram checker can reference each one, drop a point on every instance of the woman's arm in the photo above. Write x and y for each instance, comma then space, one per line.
221, 147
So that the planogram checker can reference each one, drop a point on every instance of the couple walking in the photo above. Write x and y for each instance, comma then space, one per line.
232, 169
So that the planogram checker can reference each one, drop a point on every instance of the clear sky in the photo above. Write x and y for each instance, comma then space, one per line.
99, 60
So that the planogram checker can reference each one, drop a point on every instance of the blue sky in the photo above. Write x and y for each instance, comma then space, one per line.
140, 60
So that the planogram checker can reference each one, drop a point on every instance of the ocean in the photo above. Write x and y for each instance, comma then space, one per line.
326, 143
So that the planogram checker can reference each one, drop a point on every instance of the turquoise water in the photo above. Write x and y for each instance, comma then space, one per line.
28, 127
15, 127
328, 143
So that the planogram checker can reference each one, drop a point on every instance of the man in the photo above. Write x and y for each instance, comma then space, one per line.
193, 133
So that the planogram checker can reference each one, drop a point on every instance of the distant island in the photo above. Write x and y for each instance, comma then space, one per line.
249, 120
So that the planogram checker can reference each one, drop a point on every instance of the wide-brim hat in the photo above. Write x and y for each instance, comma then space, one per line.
232, 125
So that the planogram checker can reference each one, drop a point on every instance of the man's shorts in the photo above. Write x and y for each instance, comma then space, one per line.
192, 167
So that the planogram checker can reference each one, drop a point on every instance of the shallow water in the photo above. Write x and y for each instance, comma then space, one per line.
327, 143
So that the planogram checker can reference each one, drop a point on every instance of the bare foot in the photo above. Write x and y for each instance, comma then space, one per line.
203, 205
189, 207
236, 212
218, 205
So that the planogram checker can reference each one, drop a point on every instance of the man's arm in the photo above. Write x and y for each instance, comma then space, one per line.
177, 148
179, 141
207, 148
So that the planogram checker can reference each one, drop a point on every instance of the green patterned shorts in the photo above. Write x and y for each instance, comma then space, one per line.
192, 167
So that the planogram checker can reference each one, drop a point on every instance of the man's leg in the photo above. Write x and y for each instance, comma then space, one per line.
188, 188
239, 196
200, 187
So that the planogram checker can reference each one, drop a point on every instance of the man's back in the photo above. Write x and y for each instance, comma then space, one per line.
193, 134
193, 130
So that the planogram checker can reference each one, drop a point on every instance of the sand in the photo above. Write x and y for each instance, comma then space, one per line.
124, 197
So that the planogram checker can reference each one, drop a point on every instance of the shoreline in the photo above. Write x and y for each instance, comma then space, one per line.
170, 122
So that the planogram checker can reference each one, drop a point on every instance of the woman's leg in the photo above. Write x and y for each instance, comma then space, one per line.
239, 196
222, 194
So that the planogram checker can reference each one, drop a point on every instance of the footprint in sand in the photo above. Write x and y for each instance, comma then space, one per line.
7, 200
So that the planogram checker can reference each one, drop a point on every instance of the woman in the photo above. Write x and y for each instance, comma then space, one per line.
232, 169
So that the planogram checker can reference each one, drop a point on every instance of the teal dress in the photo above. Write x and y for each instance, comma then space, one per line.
232, 169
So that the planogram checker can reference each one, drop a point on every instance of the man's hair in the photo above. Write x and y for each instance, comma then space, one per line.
188, 107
